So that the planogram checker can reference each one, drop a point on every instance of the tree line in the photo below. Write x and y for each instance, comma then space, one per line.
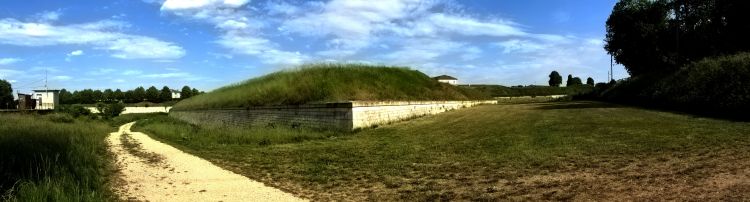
660, 36
556, 80
139, 94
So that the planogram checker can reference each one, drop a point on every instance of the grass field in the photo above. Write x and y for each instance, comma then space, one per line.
318, 83
546, 151
53, 158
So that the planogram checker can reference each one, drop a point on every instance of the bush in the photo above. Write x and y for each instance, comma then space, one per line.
75, 110
713, 86
110, 110
61, 118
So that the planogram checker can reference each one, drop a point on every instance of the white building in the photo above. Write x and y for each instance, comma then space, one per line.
46, 99
446, 79
175, 94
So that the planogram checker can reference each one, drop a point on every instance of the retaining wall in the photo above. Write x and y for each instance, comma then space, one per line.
337, 116
138, 110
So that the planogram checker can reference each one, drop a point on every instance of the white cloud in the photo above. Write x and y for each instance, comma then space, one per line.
9, 73
99, 72
197, 4
520, 46
75, 53
101, 35
131, 72
62, 78
48, 16
7, 61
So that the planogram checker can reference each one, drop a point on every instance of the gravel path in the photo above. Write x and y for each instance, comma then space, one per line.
154, 171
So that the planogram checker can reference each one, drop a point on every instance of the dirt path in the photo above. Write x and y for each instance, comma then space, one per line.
154, 171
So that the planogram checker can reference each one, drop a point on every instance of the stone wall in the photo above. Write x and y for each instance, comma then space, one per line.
138, 110
318, 116
367, 114
529, 99
336, 116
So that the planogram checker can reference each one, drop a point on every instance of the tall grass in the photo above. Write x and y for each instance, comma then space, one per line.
328, 83
179, 131
49, 158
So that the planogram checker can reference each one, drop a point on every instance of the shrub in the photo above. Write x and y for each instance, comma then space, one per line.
713, 86
75, 110
110, 110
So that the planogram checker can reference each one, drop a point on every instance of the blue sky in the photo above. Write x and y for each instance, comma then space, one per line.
210, 43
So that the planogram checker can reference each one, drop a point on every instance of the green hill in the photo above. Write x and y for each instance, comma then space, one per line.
320, 83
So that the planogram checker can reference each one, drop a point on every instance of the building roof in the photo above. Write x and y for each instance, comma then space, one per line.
175, 91
445, 77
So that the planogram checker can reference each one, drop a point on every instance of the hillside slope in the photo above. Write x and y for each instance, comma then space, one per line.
321, 83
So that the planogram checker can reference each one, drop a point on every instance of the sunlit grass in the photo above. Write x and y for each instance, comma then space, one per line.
318, 83
471, 154
49, 158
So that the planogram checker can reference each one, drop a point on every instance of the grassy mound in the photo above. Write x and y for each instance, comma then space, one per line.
713, 86
321, 83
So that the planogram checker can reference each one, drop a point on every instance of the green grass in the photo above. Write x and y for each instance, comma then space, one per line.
53, 158
550, 151
330, 83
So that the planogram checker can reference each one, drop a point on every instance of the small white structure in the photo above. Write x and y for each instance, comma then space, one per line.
447, 79
175, 94
46, 99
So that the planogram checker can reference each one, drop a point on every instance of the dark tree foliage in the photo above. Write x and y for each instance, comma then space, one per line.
165, 94
108, 95
576, 81
186, 92
555, 79
6, 95
66, 97
152, 94
590, 81
569, 82
118, 95
648, 36
196, 92
139, 94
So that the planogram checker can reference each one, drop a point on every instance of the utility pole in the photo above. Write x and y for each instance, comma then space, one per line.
611, 64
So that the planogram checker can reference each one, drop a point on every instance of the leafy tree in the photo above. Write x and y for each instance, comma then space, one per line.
590, 81
129, 96
66, 97
86, 96
139, 94
577, 81
98, 96
108, 95
118, 95
195, 92
6, 95
165, 94
186, 92
651, 36
569, 82
555, 79
152, 94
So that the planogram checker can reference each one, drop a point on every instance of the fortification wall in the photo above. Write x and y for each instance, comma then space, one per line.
336, 116
321, 116
138, 110
367, 114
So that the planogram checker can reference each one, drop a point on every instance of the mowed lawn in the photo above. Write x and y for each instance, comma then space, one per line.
545, 151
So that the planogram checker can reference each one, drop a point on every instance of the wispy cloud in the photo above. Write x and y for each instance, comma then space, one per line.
102, 35
7, 61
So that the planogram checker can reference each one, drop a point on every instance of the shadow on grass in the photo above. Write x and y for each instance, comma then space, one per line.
576, 105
